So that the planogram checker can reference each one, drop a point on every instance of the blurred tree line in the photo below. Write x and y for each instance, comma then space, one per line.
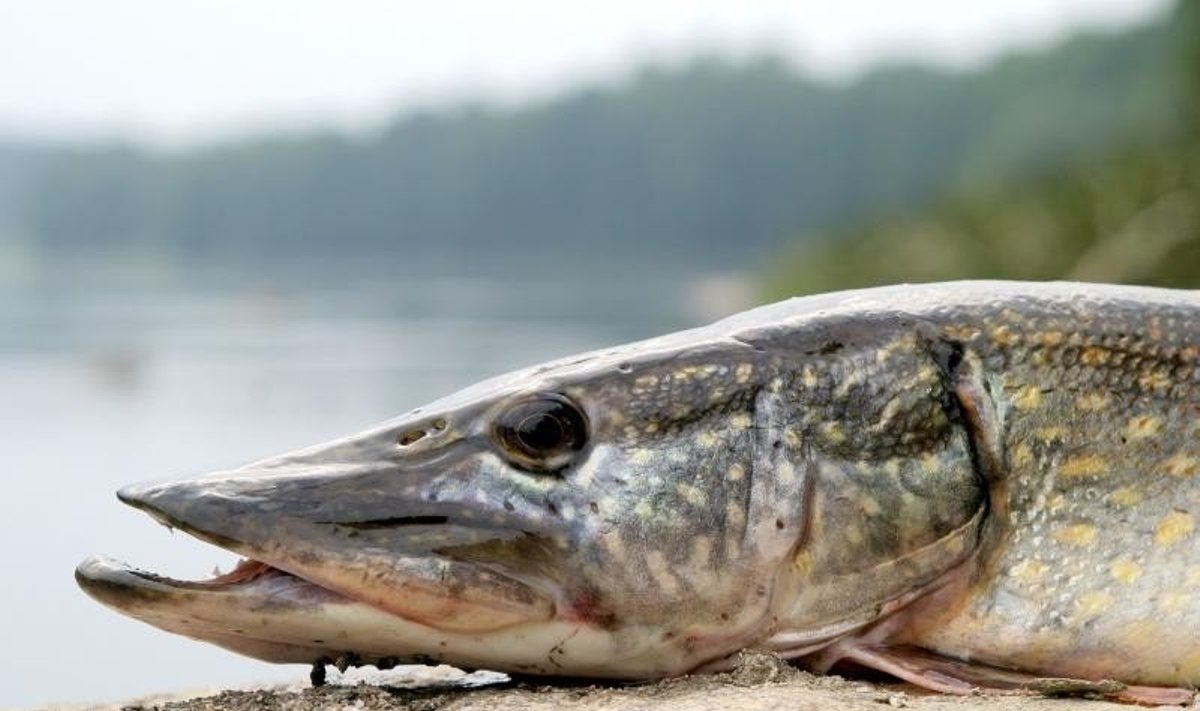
712, 162
1131, 215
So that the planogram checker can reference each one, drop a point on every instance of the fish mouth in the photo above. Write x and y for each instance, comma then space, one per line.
255, 609
119, 584
310, 590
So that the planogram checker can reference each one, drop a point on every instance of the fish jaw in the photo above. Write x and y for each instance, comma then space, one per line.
256, 615
276, 617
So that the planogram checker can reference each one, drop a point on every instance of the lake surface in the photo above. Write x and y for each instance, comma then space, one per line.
113, 383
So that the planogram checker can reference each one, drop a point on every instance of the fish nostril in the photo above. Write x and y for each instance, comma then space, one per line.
410, 437
419, 433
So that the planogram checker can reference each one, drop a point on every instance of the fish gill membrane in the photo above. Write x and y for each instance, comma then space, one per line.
802, 478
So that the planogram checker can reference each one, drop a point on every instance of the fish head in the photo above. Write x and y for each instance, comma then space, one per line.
606, 515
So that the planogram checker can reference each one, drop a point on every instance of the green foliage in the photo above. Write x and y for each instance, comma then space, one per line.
713, 162
1132, 216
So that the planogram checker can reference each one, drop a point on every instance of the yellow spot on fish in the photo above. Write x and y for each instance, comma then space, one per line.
870, 506
1029, 570
852, 534
743, 372
1079, 534
640, 456
1173, 527
961, 332
1125, 496
644, 383
1157, 379
1085, 465
1142, 426
691, 494
1094, 356
803, 562
849, 382
1022, 455
643, 510
1052, 338
701, 552
651, 427
1003, 336
1174, 601
1125, 570
1051, 434
615, 546
734, 515
1092, 402
1028, 398
927, 374
809, 376
660, 572
930, 464
740, 421
1182, 465
904, 344
833, 432
1093, 603
735, 472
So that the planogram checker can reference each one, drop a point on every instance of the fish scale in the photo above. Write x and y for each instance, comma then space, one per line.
1094, 575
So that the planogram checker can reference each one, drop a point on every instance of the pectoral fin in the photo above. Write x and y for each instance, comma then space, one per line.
935, 672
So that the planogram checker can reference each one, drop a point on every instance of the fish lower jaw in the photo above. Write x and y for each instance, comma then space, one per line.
271, 615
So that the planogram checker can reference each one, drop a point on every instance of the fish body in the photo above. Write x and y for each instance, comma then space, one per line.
967, 485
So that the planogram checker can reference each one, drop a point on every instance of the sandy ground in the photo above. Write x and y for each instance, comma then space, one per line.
760, 682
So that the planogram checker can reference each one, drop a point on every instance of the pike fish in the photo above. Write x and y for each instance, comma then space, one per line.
970, 486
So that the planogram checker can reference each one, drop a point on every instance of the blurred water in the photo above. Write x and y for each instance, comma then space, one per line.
106, 385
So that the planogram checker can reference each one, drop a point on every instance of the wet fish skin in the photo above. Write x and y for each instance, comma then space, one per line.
964, 469
1093, 570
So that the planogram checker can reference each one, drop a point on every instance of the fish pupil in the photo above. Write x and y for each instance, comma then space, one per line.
541, 432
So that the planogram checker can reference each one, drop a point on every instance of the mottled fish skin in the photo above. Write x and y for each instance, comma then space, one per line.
1095, 573
992, 471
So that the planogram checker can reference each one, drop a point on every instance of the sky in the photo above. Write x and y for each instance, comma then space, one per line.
173, 73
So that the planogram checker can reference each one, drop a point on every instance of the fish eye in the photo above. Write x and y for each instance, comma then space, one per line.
542, 433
